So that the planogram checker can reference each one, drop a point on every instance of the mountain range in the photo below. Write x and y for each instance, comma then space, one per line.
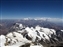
6, 24
26, 36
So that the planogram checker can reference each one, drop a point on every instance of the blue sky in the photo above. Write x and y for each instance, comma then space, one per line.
13, 9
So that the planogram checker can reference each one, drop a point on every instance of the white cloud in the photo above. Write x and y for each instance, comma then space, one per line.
46, 18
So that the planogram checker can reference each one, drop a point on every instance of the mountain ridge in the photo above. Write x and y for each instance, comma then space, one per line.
25, 36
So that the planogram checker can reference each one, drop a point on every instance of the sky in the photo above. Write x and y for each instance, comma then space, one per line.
16, 9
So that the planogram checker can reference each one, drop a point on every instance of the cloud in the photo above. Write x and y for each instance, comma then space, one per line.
46, 19
55, 19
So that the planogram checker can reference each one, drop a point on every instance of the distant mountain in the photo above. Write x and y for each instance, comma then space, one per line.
8, 23
3, 29
42, 23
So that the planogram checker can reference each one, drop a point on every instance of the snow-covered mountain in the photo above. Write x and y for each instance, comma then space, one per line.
24, 36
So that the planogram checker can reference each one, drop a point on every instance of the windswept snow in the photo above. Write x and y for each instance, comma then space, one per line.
2, 40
